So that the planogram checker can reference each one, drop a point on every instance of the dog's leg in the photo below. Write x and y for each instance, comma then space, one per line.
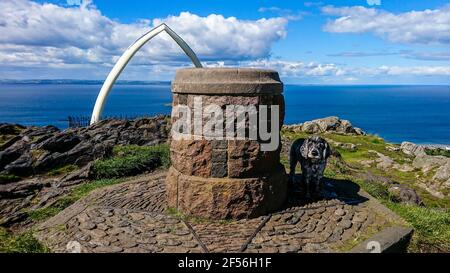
307, 183
317, 187
318, 179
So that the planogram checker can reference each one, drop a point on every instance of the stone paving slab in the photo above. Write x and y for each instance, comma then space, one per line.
226, 237
132, 218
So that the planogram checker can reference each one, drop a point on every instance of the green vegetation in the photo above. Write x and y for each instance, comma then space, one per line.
63, 170
8, 178
22, 243
431, 227
67, 200
131, 160
439, 151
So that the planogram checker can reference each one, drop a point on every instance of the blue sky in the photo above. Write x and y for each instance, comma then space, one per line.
308, 42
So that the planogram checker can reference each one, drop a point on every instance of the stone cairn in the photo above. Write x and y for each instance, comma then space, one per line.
230, 178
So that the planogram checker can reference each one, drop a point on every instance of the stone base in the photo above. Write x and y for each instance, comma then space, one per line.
226, 198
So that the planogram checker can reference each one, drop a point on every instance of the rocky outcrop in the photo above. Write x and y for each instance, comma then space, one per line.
412, 149
438, 167
36, 150
326, 125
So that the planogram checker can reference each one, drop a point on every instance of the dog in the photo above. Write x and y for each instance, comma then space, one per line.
312, 153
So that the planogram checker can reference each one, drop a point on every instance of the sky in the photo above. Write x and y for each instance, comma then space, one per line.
307, 42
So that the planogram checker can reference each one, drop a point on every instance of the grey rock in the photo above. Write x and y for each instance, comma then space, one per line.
412, 149
404, 194
324, 125
36, 150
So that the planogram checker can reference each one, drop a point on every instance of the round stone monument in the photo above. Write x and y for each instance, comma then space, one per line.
232, 177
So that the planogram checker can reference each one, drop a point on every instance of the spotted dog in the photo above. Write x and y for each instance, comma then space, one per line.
312, 153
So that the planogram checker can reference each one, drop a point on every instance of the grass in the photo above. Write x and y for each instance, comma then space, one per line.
8, 178
21, 243
439, 151
131, 160
431, 227
63, 170
376, 190
75, 195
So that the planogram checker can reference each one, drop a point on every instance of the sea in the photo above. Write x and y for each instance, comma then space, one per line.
420, 114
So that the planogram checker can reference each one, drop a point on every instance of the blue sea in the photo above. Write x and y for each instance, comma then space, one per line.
420, 114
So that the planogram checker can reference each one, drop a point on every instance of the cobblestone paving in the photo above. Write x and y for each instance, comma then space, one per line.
313, 228
144, 195
226, 236
132, 218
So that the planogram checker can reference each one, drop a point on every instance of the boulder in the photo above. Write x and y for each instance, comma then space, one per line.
400, 193
412, 149
327, 125
22, 189
404, 194
22, 166
61, 142
443, 175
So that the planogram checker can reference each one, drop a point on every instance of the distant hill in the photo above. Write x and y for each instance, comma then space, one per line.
82, 82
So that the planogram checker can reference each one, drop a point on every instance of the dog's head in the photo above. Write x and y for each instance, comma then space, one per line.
315, 149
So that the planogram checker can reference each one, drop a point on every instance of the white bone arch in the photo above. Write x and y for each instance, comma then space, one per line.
125, 59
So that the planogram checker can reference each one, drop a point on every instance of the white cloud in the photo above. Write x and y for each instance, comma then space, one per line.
296, 69
408, 54
47, 41
285, 13
33, 34
416, 70
332, 72
416, 27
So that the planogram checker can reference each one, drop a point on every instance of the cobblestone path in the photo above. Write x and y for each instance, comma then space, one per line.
133, 218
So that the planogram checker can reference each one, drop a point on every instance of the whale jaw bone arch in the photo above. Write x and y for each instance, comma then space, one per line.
125, 59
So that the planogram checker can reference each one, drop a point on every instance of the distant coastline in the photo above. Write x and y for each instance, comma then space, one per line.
82, 82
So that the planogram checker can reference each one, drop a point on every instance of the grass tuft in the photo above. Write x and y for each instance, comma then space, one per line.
436, 152
131, 160
22, 243
63, 170
9, 178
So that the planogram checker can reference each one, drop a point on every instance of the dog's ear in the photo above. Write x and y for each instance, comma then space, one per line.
304, 149
327, 151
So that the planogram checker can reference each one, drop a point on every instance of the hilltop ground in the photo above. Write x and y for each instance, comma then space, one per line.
410, 180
